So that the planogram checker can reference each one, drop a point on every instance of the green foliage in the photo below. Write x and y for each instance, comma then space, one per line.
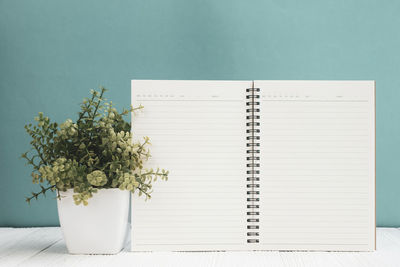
97, 151
97, 178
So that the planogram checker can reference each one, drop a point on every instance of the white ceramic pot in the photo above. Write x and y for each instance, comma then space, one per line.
98, 228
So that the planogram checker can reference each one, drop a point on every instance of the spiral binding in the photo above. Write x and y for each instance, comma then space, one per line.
253, 162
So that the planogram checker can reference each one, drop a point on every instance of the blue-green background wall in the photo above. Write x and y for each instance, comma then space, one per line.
52, 52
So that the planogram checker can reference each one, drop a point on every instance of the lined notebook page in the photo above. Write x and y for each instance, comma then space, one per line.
317, 165
197, 130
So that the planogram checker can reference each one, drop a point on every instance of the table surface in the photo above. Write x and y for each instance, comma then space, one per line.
46, 247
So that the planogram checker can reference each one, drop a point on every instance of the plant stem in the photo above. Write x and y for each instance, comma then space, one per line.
144, 192
95, 111
154, 173
43, 191
139, 151
39, 153
83, 113
98, 103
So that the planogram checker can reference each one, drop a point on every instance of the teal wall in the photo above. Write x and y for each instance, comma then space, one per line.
52, 52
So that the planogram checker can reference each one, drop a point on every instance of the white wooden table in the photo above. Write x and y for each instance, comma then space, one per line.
46, 247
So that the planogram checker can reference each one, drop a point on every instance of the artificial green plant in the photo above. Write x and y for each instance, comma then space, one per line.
94, 152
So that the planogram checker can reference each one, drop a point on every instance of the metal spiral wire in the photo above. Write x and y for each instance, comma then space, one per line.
253, 163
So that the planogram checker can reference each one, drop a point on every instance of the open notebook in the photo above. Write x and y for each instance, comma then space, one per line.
257, 165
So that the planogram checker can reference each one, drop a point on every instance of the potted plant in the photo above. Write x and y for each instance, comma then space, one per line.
92, 164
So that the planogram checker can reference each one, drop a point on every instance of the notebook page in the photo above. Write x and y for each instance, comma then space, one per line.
198, 133
317, 189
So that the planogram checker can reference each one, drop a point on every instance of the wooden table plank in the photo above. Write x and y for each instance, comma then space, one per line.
45, 247
27, 245
57, 255
12, 235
